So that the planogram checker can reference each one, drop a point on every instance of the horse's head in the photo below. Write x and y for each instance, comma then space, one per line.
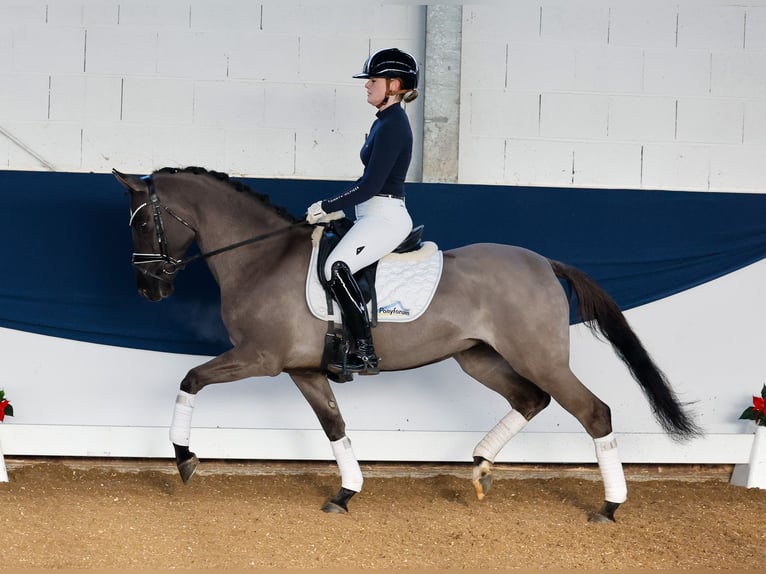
159, 242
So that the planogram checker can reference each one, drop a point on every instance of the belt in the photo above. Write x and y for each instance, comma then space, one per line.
389, 195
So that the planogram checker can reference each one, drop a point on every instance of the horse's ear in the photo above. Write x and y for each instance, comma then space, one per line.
129, 181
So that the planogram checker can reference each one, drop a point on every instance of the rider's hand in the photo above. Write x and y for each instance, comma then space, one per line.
315, 212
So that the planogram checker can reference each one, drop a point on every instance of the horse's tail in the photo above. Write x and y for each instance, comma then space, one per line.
601, 313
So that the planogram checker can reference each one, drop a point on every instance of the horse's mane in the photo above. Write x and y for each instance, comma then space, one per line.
233, 183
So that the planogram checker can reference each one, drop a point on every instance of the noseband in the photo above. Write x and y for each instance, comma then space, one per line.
171, 265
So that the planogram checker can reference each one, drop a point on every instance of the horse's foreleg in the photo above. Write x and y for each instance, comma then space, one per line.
487, 366
223, 368
350, 476
180, 432
317, 391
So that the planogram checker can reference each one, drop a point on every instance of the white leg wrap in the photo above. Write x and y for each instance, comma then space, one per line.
180, 428
508, 427
615, 489
350, 473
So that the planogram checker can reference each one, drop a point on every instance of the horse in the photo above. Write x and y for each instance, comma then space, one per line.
513, 336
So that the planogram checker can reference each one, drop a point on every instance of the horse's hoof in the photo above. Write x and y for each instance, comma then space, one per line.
482, 486
606, 514
334, 508
188, 467
339, 503
482, 478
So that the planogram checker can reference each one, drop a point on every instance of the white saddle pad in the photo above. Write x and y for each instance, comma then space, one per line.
405, 285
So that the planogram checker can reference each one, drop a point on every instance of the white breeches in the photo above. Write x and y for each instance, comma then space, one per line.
382, 223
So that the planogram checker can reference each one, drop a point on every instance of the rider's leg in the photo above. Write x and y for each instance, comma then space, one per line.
346, 292
381, 225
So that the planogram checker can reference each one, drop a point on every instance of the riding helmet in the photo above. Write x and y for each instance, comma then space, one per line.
392, 63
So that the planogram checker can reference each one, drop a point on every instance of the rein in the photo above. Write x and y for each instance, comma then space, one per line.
256, 239
172, 265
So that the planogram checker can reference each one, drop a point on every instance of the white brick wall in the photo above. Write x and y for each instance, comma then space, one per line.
644, 25
574, 116
647, 94
708, 120
754, 123
667, 95
755, 28
198, 55
49, 50
260, 89
21, 12
642, 118
82, 12
23, 97
85, 99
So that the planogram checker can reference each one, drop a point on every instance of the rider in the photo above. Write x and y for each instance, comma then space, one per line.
382, 220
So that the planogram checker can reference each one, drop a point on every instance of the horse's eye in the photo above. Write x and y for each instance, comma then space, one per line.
142, 227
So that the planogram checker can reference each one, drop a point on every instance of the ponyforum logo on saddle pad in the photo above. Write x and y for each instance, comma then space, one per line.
405, 284
395, 308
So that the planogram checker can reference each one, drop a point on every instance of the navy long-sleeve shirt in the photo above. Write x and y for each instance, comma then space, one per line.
386, 156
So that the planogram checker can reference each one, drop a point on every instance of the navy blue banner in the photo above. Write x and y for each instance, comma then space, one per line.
66, 248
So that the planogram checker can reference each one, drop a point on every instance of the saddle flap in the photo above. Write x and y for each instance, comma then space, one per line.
404, 284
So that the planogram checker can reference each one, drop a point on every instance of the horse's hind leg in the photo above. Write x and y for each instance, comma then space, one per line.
526, 399
596, 418
317, 391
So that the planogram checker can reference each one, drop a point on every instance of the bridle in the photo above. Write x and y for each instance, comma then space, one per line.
169, 264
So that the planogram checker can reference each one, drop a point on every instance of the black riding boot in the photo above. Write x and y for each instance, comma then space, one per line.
344, 288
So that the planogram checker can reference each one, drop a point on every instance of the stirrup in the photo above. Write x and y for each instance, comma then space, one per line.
357, 364
369, 364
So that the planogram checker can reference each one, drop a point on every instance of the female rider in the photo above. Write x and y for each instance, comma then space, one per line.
382, 220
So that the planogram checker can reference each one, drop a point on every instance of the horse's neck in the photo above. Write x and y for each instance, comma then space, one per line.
224, 217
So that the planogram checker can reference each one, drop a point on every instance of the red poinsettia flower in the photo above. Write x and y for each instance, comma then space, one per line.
757, 412
4, 404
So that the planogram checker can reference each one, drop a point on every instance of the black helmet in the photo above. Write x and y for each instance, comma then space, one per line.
392, 63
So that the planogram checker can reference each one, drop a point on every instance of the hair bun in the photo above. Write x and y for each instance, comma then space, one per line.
410, 95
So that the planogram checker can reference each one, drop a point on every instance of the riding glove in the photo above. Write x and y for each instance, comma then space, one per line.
315, 212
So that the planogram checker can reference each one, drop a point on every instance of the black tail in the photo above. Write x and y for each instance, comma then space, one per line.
600, 312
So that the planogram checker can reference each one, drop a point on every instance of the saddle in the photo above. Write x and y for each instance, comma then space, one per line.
335, 338
333, 232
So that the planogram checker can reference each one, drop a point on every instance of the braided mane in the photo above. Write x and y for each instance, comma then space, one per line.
236, 185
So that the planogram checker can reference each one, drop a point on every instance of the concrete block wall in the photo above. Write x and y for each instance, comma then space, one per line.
256, 89
594, 93
600, 93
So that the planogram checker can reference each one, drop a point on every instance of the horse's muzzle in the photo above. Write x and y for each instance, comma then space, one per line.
152, 288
